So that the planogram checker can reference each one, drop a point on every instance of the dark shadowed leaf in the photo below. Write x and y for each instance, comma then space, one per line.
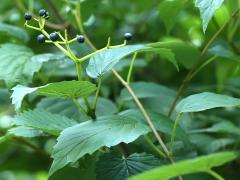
117, 167
14, 31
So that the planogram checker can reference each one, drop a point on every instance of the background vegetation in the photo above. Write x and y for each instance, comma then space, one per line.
188, 52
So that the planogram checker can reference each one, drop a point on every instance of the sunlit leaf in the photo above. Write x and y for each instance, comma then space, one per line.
199, 164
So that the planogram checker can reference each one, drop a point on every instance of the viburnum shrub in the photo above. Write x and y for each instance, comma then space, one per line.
94, 130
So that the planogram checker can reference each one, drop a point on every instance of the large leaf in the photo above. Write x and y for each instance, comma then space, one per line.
200, 164
87, 137
64, 89
106, 60
116, 167
18, 63
43, 120
207, 9
14, 31
161, 122
204, 101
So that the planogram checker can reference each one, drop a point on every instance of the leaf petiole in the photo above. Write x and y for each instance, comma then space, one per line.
97, 93
174, 132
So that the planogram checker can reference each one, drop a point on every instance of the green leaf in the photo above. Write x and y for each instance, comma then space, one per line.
14, 31
67, 89
185, 53
116, 167
64, 89
221, 51
166, 54
204, 101
44, 121
218, 144
23, 131
168, 11
18, 64
161, 122
87, 137
62, 107
69, 109
200, 164
19, 92
106, 60
223, 127
207, 9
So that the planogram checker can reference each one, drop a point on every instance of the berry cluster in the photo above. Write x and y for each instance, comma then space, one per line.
41, 38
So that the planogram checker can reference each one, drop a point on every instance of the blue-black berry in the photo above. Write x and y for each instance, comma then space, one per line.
128, 36
54, 36
80, 38
42, 12
46, 15
28, 16
41, 38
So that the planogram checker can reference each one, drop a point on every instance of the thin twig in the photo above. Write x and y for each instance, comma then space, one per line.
198, 62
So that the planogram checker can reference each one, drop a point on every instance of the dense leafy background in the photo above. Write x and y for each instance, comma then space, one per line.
170, 36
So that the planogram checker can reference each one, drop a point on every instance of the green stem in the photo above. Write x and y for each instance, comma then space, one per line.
154, 147
90, 111
91, 54
97, 93
216, 175
68, 47
79, 21
79, 106
203, 65
131, 68
79, 70
79, 73
174, 132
